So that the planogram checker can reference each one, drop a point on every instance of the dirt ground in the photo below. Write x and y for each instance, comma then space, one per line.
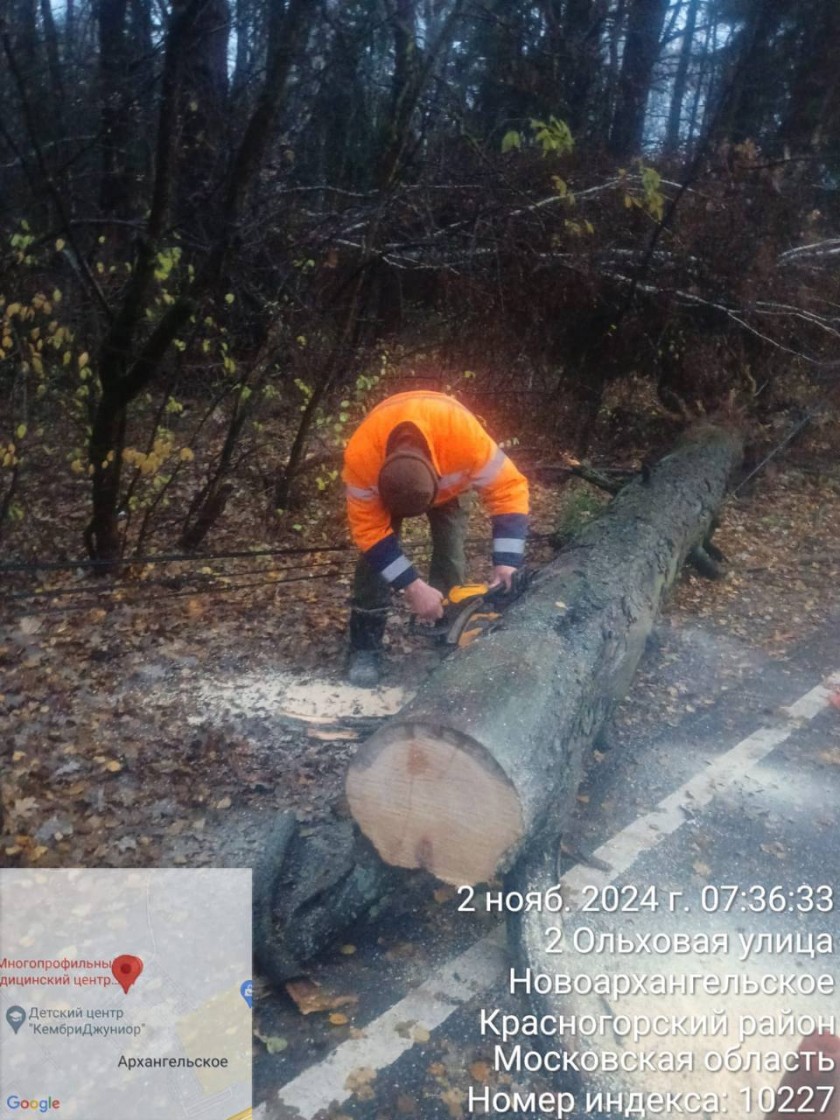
157, 720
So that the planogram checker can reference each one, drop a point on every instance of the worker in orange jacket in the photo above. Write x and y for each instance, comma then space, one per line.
416, 453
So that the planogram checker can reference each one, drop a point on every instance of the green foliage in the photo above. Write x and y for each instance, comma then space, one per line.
561, 188
577, 228
511, 140
553, 136
21, 241
580, 507
304, 390
334, 423
323, 481
167, 260
652, 200
53, 358
510, 279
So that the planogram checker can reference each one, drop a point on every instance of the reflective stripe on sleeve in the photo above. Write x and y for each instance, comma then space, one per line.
396, 568
366, 494
509, 544
490, 469
454, 479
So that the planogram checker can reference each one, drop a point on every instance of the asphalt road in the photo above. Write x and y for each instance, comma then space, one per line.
741, 793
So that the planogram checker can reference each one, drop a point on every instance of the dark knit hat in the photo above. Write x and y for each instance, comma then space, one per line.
407, 483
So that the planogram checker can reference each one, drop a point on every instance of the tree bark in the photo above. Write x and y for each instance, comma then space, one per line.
203, 101
53, 61
482, 763
672, 135
641, 51
412, 70
743, 90
125, 366
309, 889
815, 91
114, 190
700, 79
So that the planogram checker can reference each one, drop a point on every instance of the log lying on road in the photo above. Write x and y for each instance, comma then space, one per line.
308, 888
489, 755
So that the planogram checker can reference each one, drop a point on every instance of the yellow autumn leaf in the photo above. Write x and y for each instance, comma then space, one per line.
113, 766
358, 1081
274, 1044
59, 245
20, 431
337, 1019
453, 1098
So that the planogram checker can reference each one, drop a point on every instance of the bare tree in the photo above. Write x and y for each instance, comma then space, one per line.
641, 50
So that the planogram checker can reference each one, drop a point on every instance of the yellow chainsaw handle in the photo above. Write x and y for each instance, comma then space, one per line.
463, 591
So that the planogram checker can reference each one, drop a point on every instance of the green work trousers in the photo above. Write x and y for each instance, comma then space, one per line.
372, 593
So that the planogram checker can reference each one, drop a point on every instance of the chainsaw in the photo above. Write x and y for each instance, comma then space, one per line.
471, 609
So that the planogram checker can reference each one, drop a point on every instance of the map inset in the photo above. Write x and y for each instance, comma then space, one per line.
123, 994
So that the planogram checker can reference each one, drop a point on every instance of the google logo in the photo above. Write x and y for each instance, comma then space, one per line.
45, 1104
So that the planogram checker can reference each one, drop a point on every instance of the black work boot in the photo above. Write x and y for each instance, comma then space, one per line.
364, 664
364, 668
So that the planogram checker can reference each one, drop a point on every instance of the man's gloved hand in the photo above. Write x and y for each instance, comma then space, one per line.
503, 573
424, 601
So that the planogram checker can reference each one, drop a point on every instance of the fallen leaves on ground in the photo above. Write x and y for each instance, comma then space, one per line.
110, 758
359, 1082
310, 997
274, 1044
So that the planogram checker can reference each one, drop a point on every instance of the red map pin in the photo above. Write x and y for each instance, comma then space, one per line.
126, 969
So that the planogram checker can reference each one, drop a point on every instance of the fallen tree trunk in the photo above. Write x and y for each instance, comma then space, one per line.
487, 758
705, 558
308, 889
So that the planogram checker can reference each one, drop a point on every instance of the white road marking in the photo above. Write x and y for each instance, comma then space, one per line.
482, 965
646, 832
428, 1006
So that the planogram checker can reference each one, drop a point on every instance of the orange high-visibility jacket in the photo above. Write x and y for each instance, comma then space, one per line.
463, 455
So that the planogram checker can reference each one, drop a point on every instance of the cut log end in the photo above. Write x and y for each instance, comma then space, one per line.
423, 798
